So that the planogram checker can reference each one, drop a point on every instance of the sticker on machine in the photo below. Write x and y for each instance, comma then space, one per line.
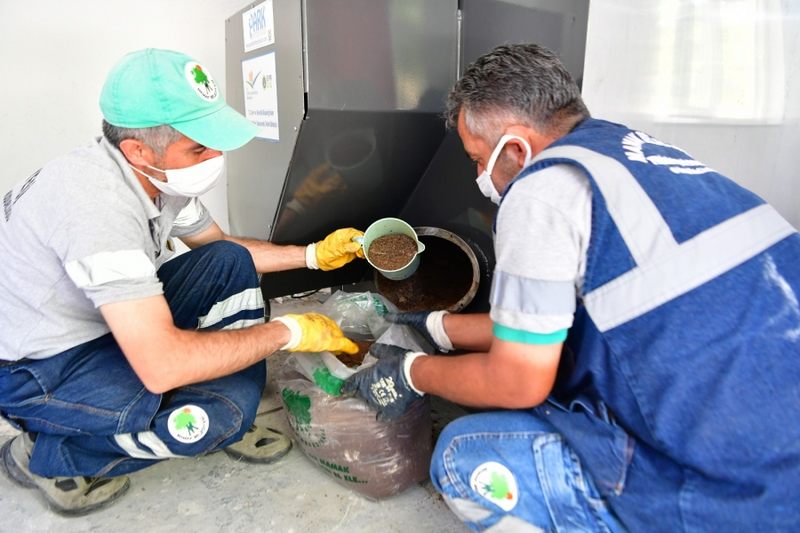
260, 83
188, 424
258, 26
496, 483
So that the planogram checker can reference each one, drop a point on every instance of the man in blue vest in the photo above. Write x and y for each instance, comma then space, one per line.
643, 344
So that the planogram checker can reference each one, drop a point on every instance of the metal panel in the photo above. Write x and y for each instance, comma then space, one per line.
560, 25
377, 73
447, 196
257, 171
371, 55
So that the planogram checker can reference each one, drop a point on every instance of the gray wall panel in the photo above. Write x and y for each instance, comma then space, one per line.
257, 172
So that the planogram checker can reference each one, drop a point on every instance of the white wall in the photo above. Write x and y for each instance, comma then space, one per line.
54, 56
718, 78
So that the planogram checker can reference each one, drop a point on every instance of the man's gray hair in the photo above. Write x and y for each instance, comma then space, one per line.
156, 137
518, 83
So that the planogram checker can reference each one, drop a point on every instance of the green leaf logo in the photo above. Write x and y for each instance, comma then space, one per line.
496, 483
199, 75
185, 419
188, 423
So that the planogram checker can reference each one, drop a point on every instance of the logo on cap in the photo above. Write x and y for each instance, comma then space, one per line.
201, 81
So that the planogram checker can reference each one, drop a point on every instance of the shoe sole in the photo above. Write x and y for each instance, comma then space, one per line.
255, 460
260, 460
11, 470
19, 477
90, 508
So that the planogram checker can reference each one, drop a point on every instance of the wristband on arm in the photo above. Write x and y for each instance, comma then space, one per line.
311, 256
407, 361
296, 333
435, 325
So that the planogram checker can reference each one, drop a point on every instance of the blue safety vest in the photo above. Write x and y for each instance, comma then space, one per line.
679, 388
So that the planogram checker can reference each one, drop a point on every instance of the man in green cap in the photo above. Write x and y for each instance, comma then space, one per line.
111, 357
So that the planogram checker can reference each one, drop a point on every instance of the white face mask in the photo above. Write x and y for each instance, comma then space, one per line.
190, 181
484, 181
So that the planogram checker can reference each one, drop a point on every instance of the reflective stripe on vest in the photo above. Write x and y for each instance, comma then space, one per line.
665, 269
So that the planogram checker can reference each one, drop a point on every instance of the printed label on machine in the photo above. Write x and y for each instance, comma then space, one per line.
261, 94
258, 26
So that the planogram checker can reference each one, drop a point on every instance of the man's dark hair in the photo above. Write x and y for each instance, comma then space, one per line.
520, 83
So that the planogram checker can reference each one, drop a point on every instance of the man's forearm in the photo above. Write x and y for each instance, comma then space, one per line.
192, 356
469, 331
510, 376
269, 257
472, 380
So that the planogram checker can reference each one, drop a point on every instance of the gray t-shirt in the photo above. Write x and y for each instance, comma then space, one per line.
77, 234
543, 231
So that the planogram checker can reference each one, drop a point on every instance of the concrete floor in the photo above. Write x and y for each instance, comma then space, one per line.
215, 494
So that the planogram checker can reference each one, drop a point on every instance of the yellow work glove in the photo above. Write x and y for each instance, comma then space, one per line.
335, 250
313, 332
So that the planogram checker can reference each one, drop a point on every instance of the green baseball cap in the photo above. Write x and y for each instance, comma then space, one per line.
154, 87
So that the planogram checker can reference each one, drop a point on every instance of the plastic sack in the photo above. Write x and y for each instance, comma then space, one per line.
341, 434
360, 316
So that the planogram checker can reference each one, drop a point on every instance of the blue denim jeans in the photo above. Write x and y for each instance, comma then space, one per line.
89, 411
511, 471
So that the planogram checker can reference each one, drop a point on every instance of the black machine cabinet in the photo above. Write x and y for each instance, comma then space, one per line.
354, 90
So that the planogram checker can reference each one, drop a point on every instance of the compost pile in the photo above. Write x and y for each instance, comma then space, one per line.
392, 252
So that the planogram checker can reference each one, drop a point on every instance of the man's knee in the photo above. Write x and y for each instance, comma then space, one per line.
446, 448
245, 390
484, 466
217, 287
468, 427
228, 255
209, 416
